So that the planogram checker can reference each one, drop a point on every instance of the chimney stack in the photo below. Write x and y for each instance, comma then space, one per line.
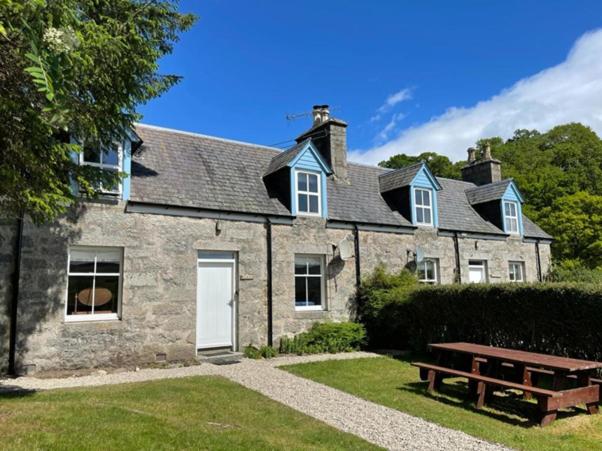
329, 135
482, 169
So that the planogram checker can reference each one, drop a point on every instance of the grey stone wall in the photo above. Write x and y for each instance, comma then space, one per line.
8, 234
159, 280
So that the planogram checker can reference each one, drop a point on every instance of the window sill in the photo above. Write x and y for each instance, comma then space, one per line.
91, 318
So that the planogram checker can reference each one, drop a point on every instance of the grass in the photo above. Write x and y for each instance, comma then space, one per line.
507, 420
191, 413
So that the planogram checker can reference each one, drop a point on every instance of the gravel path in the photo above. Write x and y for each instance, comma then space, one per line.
377, 424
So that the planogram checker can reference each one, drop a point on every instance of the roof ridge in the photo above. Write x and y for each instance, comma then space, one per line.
411, 166
487, 185
201, 135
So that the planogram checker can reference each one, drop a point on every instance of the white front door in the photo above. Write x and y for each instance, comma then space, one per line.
215, 303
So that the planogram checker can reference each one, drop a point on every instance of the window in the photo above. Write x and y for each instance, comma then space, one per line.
477, 271
516, 271
511, 217
308, 193
423, 206
428, 271
309, 282
108, 160
94, 285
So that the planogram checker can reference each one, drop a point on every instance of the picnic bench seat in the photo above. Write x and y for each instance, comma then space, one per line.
547, 408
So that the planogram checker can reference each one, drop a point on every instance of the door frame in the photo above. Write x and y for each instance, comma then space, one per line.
233, 261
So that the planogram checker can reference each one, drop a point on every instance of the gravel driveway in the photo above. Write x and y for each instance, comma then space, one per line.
377, 424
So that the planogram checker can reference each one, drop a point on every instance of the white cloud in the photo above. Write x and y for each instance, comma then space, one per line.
568, 92
384, 134
395, 98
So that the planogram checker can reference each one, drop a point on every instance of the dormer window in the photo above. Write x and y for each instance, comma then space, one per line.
511, 217
423, 207
308, 193
108, 159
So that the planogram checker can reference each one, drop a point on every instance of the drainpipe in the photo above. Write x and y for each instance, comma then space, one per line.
269, 268
12, 343
457, 253
538, 260
358, 273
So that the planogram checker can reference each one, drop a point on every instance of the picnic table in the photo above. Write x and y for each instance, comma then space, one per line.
488, 367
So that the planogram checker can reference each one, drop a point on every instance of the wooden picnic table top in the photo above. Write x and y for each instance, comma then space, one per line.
523, 357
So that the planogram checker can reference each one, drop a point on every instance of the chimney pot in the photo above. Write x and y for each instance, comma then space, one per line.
487, 152
472, 155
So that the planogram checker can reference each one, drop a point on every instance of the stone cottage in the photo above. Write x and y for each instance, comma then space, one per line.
212, 243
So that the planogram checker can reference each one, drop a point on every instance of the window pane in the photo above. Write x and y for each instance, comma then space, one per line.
419, 215
313, 183
107, 267
426, 198
314, 266
111, 156
303, 207
418, 197
301, 182
314, 285
313, 204
430, 270
300, 292
79, 295
422, 271
91, 153
300, 267
81, 266
427, 216
106, 294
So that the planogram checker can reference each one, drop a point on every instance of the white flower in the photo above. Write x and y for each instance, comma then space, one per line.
60, 40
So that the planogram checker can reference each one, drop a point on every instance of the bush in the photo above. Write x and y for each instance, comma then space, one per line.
325, 337
552, 318
266, 352
574, 271
378, 299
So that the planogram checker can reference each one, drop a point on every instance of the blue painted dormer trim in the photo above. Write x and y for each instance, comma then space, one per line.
512, 194
424, 179
309, 160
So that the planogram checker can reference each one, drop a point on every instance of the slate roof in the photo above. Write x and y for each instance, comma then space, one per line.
398, 178
487, 193
284, 158
174, 168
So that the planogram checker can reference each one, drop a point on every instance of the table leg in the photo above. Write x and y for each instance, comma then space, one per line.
527, 381
475, 368
481, 394
547, 414
592, 408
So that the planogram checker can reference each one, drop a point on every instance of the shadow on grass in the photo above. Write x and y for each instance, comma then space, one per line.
14, 391
501, 406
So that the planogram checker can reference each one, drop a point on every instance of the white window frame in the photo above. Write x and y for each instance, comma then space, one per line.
322, 277
512, 265
112, 167
308, 193
435, 262
94, 316
511, 219
423, 207
480, 264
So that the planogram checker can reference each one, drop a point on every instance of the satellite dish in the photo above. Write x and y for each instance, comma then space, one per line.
346, 250
419, 254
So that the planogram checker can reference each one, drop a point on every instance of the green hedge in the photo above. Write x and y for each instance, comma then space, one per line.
560, 319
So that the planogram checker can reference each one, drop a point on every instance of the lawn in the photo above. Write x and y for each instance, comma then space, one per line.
192, 413
396, 384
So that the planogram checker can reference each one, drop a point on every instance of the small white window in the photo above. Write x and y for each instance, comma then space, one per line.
308, 193
94, 283
428, 271
108, 159
477, 271
423, 206
309, 282
511, 217
516, 271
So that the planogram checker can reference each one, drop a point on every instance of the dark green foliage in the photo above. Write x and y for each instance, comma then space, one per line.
74, 69
325, 337
560, 319
574, 271
378, 297
268, 352
440, 165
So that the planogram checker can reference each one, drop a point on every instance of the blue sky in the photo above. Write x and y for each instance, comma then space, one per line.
406, 76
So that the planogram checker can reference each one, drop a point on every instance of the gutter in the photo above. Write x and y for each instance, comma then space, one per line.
12, 343
457, 254
269, 279
358, 273
538, 261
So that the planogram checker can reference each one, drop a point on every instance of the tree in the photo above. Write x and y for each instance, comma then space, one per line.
73, 69
440, 165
